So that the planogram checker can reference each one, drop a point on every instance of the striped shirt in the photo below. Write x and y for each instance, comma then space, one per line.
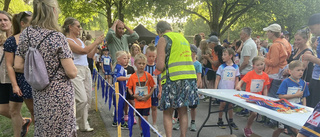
151, 69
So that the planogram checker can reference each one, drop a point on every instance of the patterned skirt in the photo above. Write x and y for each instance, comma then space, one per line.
180, 93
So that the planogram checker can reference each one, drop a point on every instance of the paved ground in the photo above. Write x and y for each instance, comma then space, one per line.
202, 111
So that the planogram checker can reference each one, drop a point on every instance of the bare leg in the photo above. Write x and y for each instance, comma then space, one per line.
221, 107
4, 110
251, 119
277, 132
29, 103
167, 121
230, 111
183, 119
193, 113
16, 118
154, 114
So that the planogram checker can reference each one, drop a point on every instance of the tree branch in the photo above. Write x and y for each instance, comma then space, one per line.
195, 13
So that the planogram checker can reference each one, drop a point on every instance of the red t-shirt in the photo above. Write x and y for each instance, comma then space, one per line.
133, 82
256, 83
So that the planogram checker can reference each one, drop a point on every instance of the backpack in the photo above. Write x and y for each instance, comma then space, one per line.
35, 71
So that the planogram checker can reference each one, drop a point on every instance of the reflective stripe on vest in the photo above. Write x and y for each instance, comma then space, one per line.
180, 64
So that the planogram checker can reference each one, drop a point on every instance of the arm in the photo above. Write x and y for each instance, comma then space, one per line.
238, 87
91, 53
160, 91
122, 78
146, 97
130, 91
298, 94
11, 73
311, 58
69, 67
102, 68
265, 91
244, 63
79, 50
304, 101
237, 81
274, 56
240, 48
217, 82
199, 82
161, 54
18, 64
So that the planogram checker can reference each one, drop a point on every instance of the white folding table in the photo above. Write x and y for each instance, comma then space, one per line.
295, 120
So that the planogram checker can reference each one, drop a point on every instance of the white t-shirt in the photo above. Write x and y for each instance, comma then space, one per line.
249, 49
228, 76
145, 49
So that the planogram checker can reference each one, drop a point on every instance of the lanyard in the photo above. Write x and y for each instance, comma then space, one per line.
298, 83
139, 79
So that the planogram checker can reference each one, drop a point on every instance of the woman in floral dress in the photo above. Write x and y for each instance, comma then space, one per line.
53, 106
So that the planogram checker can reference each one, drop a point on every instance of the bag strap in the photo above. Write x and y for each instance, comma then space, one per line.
2, 58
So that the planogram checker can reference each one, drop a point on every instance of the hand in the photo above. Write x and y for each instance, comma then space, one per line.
16, 90
159, 95
299, 93
238, 88
139, 98
99, 39
306, 57
206, 56
156, 72
145, 97
103, 71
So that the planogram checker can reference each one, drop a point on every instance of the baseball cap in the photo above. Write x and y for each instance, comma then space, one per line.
213, 39
273, 27
213, 34
314, 19
193, 48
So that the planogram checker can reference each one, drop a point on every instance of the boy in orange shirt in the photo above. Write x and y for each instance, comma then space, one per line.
143, 86
257, 82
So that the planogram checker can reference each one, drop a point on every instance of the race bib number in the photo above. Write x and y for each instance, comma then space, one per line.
291, 91
256, 85
155, 79
106, 61
229, 74
141, 91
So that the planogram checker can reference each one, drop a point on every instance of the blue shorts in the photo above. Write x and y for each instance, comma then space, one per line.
107, 72
312, 126
154, 101
144, 111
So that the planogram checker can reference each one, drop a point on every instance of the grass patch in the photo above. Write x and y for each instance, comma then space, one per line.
6, 129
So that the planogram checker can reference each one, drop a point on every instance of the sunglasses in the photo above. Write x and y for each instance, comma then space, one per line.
24, 14
306, 30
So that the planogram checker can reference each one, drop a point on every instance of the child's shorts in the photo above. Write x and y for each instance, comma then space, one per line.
107, 72
312, 126
144, 111
154, 101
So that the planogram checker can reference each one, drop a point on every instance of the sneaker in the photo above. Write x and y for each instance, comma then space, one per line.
126, 118
243, 113
155, 127
77, 127
134, 120
87, 130
220, 124
174, 120
25, 127
193, 127
247, 132
114, 124
124, 126
176, 126
234, 126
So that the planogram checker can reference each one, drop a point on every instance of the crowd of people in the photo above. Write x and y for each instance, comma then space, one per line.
164, 74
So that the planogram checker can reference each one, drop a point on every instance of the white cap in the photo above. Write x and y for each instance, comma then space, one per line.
273, 27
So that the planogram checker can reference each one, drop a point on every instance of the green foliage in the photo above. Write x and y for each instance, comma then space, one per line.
16, 6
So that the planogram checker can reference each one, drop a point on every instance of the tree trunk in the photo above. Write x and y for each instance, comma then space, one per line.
6, 5
109, 19
216, 11
120, 6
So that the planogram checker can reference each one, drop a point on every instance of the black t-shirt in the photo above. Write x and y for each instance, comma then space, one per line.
130, 70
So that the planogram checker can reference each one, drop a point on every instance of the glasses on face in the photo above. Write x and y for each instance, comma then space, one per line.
305, 30
24, 14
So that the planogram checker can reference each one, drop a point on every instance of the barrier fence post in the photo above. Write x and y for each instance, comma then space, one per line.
96, 92
117, 104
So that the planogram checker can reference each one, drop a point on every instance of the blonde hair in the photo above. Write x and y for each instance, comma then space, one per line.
140, 56
3, 38
203, 46
120, 53
45, 14
294, 64
151, 49
132, 49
